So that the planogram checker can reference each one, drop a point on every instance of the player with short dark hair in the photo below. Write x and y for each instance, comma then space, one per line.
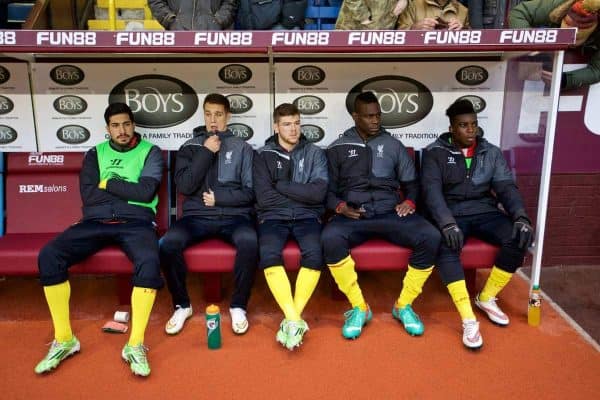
119, 181
217, 99
214, 173
464, 177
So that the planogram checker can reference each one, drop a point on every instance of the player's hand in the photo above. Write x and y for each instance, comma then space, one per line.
453, 236
213, 143
209, 198
350, 212
405, 208
522, 232
426, 24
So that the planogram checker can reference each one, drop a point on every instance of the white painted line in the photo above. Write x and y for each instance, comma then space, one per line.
566, 316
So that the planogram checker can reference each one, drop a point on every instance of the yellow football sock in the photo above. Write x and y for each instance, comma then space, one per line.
280, 286
495, 283
57, 297
460, 297
306, 282
412, 286
347, 280
142, 300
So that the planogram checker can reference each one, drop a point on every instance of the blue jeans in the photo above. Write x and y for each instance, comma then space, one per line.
188, 230
273, 234
137, 239
493, 227
412, 231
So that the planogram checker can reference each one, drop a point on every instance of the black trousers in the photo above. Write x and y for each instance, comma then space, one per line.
188, 230
138, 240
493, 227
273, 234
412, 231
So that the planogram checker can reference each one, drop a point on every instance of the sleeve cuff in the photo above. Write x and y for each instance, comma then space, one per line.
168, 19
521, 214
280, 186
411, 203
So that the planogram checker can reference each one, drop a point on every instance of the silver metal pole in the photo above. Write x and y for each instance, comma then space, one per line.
538, 249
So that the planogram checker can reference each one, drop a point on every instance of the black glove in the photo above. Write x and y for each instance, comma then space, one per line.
453, 236
522, 232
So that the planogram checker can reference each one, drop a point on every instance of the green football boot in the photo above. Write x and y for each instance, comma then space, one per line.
282, 333
135, 356
355, 320
58, 352
296, 331
410, 320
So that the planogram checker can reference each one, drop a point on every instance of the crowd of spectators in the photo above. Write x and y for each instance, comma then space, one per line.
399, 14
227, 14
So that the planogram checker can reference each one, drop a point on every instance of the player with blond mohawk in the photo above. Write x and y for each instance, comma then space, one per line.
290, 183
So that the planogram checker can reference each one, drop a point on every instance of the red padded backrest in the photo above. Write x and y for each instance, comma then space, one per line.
163, 210
31, 163
180, 199
42, 193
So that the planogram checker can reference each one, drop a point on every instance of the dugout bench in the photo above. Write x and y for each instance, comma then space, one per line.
214, 257
42, 199
32, 218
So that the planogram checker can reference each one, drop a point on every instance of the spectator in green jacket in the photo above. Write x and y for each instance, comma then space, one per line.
369, 14
582, 14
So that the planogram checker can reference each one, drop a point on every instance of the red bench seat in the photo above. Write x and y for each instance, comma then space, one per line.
42, 200
19, 252
213, 257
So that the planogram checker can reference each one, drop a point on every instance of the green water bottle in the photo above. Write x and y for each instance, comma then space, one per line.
213, 327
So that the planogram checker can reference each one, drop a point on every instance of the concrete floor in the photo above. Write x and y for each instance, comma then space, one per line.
576, 289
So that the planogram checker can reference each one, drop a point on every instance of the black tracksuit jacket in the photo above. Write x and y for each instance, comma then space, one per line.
370, 173
228, 173
450, 190
112, 203
290, 185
